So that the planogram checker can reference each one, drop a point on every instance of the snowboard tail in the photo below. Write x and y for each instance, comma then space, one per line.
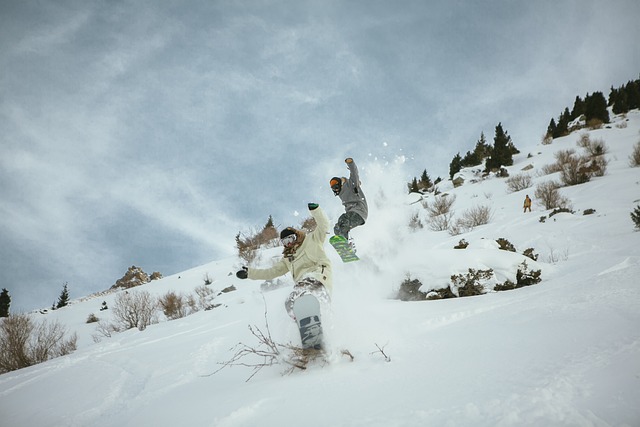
307, 311
343, 248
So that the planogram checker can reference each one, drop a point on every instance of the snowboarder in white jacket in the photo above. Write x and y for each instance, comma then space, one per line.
353, 200
304, 257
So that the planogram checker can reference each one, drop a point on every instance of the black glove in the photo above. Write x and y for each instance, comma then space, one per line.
312, 206
243, 274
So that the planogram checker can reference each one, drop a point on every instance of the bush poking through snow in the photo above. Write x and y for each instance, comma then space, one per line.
530, 254
92, 318
524, 277
410, 290
134, 310
505, 245
519, 182
634, 158
471, 218
547, 193
173, 305
635, 217
24, 343
462, 244
470, 284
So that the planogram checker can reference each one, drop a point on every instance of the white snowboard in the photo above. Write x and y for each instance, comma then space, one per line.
307, 311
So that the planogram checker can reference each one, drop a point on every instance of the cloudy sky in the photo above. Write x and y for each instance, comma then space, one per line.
149, 133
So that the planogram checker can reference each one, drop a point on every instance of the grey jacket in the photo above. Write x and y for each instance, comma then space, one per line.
352, 196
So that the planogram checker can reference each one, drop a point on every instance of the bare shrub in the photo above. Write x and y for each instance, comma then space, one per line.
249, 242
594, 124
92, 318
547, 193
441, 222
547, 139
415, 223
24, 343
518, 182
203, 298
576, 170
549, 169
598, 166
471, 218
564, 156
440, 215
634, 158
104, 330
173, 305
593, 148
135, 310
441, 205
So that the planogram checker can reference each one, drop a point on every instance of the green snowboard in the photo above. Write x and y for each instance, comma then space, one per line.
343, 248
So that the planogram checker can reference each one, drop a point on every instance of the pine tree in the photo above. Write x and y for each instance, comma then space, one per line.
63, 299
455, 165
562, 128
578, 108
635, 216
551, 129
470, 159
632, 89
413, 186
503, 150
596, 107
425, 181
5, 303
269, 223
482, 150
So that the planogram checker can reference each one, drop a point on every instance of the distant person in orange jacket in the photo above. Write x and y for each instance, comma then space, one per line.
527, 203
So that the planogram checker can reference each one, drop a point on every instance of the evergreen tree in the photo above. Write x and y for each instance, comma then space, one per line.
596, 107
269, 223
425, 181
482, 149
5, 303
578, 108
551, 129
63, 299
632, 90
470, 159
455, 165
413, 186
562, 129
635, 217
502, 152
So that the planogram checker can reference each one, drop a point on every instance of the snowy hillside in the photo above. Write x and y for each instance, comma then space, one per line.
564, 352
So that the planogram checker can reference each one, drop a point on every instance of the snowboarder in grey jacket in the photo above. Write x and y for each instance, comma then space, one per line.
353, 199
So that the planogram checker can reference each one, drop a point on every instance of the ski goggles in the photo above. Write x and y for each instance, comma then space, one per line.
287, 240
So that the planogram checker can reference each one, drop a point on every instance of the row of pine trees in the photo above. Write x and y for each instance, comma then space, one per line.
5, 301
592, 111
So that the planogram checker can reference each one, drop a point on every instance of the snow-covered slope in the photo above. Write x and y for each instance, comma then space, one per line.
563, 352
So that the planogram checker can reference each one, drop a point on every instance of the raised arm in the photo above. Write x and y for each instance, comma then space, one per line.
353, 170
